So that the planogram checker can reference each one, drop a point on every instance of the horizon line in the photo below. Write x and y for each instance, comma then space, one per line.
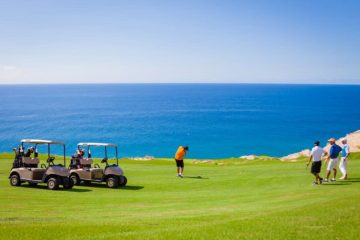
180, 83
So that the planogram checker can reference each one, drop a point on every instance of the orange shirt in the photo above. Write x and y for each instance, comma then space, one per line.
180, 153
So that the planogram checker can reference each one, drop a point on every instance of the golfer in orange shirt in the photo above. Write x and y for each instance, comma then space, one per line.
179, 159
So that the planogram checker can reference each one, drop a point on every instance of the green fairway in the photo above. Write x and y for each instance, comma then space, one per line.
233, 199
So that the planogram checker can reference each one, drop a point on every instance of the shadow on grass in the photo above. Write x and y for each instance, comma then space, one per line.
44, 187
132, 187
336, 184
352, 180
99, 185
195, 177
76, 190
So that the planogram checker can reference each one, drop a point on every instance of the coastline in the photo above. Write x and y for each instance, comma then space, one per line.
353, 142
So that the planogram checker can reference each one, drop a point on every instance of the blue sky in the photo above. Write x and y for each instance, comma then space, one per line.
254, 41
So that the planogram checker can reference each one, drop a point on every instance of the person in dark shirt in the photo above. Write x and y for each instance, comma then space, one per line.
332, 159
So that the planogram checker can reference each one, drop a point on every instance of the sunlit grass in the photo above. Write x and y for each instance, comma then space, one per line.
237, 199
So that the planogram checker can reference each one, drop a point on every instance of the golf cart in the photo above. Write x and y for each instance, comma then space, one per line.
83, 169
26, 168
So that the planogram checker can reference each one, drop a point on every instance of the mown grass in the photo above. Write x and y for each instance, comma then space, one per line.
232, 199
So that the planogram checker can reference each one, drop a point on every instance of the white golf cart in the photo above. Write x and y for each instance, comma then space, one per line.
26, 168
83, 169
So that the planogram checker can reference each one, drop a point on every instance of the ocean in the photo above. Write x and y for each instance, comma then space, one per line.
214, 120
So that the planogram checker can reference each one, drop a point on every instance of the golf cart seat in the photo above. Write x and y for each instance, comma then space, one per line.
30, 162
86, 162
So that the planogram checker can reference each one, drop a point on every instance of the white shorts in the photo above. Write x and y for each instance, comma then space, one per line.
332, 164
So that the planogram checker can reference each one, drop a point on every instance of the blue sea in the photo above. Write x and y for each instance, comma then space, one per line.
214, 120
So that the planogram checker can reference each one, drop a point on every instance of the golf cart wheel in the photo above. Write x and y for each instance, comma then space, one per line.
53, 183
112, 182
122, 181
67, 183
15, 180
75, 179
33, 184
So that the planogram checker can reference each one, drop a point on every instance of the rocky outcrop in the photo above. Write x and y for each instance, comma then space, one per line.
249, 157
353, 140
255, 157
145, 158
303, 153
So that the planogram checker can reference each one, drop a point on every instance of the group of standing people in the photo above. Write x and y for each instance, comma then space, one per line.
332, 158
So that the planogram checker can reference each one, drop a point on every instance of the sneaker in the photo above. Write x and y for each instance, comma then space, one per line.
325, 180
180, 175
315, 183
320, 181
333, 180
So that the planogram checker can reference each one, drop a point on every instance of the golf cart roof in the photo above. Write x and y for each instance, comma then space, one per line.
40, 141
98, 144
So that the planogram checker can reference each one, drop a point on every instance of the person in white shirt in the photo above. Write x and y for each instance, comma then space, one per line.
345, 153
316, 155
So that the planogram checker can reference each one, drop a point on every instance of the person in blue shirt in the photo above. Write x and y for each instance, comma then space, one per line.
345, 153
333, 159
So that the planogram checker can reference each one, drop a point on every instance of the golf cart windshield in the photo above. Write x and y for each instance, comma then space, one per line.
104, 145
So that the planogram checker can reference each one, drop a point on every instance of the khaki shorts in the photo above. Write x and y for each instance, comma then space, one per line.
332, 164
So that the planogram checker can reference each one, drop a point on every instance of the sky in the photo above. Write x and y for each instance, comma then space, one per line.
187, 41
